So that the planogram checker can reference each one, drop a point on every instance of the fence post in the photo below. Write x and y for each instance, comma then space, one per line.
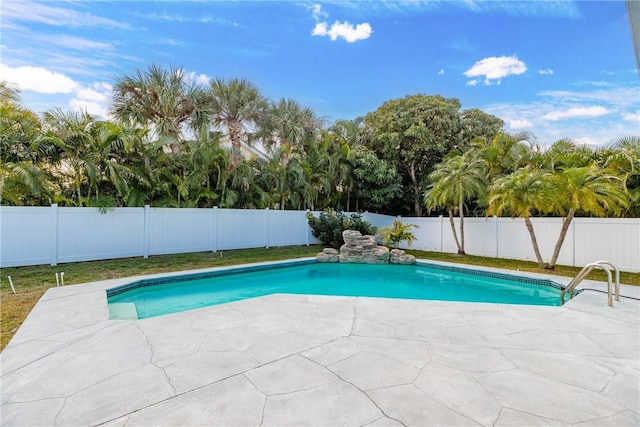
214, 231
266, 228
573, 243
441, 234
495, 220
147, 230
308, 229
55, 232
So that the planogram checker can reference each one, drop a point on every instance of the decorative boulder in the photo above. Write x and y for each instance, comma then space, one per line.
362, 249
328, 255
398, 256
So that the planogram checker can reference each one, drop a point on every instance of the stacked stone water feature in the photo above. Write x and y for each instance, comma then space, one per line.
364, 250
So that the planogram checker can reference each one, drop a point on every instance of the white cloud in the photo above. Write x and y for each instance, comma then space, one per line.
94, 99
338, 29
572, 112
91, 107
520, 123
548, 72
343, 30
193, 77
496, 68
37, 79
472, 82
441, 72
631, 117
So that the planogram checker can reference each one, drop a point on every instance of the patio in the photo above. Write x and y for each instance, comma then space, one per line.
315, 360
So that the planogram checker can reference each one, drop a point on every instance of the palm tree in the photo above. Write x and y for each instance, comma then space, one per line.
522, 193
588, 189
162, 98
457, 179
235, 104
623, 159
287, 126
505, 153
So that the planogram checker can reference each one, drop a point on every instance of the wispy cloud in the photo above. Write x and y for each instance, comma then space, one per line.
30, 11
594, 111
632, 117
472, 82
495, 68
203, 19
343, 30
538, 8
547, 72
441, 72
590, 116
520, 124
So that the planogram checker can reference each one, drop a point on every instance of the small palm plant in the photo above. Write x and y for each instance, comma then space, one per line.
399, 232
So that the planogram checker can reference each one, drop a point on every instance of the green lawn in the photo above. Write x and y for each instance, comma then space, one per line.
32, 282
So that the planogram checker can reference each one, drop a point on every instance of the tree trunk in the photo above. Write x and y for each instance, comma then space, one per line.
563, 234
534, 241
416, 190
461, 213
453, 229
235, 130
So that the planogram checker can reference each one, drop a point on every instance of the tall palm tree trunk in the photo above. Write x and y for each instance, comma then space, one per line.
453, 229
461, 247
534, 241
563, 233
235, 130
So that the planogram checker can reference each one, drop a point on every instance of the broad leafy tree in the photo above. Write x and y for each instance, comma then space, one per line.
475, 123
377, 183
413, 134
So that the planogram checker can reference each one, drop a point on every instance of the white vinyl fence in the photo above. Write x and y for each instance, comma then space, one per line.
52, 235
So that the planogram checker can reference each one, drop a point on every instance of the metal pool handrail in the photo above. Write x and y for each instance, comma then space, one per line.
603, 265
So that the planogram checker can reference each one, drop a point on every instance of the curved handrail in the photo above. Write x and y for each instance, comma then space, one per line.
584, 272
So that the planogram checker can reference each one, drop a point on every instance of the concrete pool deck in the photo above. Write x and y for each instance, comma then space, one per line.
327, 361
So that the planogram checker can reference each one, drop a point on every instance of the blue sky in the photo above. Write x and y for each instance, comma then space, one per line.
555, 68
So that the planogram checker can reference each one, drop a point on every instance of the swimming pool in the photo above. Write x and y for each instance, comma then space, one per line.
155, 297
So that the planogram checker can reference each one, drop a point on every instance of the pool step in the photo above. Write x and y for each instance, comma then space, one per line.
123, 311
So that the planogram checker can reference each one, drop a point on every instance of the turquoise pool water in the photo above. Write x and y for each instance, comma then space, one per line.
430, 282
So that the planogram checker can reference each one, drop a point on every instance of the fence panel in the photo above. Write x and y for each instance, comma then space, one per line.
615, 240
514, 240
287, 228
180, 230
26, 235
428, 233
48, 235
241, 228
480, 236
86, 234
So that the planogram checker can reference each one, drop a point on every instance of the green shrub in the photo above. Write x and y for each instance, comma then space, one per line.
328, 227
